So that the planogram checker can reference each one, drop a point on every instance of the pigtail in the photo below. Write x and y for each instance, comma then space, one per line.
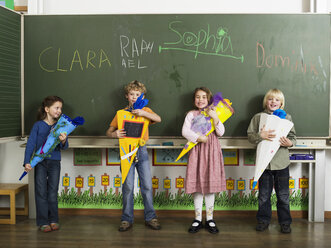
41, 115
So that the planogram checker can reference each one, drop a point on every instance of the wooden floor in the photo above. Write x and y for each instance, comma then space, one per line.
101, 231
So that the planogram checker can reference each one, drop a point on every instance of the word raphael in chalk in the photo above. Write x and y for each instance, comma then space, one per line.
131, 52
50, 60
202, 42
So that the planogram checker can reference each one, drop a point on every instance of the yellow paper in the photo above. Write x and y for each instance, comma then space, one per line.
135, 126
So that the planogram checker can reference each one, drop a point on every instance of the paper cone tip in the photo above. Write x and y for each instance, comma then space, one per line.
23, 175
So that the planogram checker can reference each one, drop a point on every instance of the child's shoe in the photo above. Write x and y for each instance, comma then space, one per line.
195, 226
55, 226
45, 228
211, 227
125, 225
285, 228
261, 226
154, 224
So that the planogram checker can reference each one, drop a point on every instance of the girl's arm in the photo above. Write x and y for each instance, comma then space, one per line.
64, 141
219, 127
27, 167
187, 132
31, 144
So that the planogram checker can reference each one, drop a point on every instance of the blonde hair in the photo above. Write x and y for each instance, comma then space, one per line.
135, 85
274, 93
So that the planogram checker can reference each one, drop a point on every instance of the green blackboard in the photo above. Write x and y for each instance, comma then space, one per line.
10, 73
87, 59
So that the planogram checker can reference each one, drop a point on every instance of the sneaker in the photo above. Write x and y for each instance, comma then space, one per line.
211, 227
261, 226
45, 228
55, 226
125, 225
285, 228
153, 224
195, 228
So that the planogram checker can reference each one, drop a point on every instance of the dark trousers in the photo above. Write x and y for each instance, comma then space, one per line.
279, 179
47, 176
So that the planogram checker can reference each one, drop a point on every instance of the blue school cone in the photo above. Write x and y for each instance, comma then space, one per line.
63, 125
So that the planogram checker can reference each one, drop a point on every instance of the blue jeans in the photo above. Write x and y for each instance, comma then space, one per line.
146, 188
47, 176
279, 179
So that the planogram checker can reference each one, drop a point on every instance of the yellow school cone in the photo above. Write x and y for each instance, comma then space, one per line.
224, 111
135, 127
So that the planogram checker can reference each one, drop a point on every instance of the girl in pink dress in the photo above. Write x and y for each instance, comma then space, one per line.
205, 168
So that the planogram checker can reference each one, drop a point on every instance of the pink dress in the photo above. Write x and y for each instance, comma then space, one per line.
205, 167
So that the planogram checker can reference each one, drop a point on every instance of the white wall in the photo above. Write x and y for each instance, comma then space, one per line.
175, 6
11, 167
170, 6
20, 2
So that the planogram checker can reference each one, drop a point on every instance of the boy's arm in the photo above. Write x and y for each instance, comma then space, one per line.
149, 115
110, 131
292, 134
253, 134
113, 132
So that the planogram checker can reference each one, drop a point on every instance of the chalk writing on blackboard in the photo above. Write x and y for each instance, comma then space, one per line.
203, 42
50, 60
268, 60
131, 52
294, 62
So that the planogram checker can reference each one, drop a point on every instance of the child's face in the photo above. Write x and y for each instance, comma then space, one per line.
54, 111
273, 103
132, 96
201, 99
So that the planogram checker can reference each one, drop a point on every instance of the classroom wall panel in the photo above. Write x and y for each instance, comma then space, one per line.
10, 73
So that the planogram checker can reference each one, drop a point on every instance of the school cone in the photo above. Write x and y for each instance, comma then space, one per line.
224, 111
266, 149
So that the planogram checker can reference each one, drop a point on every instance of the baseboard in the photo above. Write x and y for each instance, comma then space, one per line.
327, 215
170, 213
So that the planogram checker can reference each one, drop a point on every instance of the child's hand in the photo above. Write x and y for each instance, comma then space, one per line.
285, 142
202, 139
212, 113
28, 167
267, 134
119, 133
138, 112
63, 138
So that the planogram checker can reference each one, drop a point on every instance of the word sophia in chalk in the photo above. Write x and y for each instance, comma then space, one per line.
202, 41
132, 51
57, 60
